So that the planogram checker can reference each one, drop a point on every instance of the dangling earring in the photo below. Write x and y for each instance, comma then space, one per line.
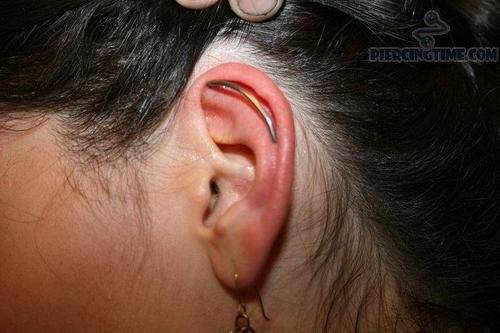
242, 321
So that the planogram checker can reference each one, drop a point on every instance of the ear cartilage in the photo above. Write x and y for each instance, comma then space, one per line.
253, 100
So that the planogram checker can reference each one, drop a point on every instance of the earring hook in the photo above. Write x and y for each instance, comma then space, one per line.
258, 295
261, 304
253, 100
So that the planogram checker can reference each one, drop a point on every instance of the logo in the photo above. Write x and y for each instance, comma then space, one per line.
428, 52
435, 27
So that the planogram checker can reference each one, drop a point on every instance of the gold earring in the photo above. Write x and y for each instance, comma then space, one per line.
242, 320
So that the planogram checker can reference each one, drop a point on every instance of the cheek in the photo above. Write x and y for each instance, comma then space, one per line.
63, 268
93, 268
69, 264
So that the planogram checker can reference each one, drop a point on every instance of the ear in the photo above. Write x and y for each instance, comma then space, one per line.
251, 174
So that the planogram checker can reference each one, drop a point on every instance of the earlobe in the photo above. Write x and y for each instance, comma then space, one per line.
244, 108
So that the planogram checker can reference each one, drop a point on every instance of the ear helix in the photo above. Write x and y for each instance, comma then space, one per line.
253, 100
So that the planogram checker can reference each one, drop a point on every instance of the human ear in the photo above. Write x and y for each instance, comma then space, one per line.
251, 169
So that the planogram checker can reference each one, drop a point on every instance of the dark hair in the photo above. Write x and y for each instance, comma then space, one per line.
414, 147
